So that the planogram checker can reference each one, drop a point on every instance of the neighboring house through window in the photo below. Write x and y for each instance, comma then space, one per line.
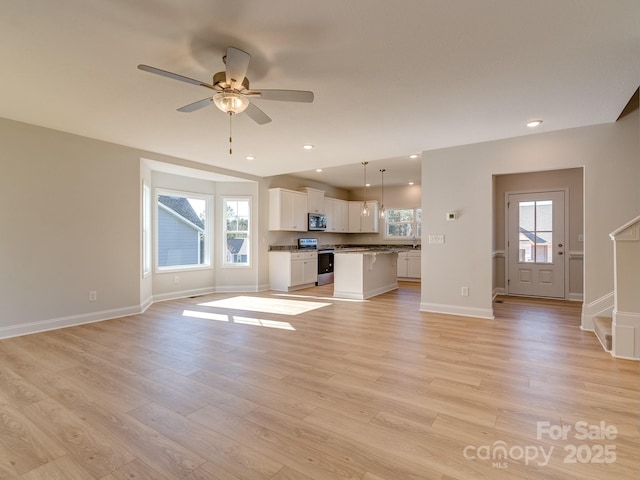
183, 230
237, 230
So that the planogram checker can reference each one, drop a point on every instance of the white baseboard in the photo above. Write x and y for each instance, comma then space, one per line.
486, 313
575, 297
183, 294
70, 321
236, 288
498, 291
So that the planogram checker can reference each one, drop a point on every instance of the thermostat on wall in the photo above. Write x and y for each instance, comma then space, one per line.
452, 216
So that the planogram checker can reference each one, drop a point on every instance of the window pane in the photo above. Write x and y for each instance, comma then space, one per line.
181, 231
237, 223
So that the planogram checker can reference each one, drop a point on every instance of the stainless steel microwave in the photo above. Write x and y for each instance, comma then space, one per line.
317, 222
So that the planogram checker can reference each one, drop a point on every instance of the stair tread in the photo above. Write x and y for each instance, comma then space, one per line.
604, 331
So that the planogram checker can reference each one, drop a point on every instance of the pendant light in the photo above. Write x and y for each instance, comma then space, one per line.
382, 170
365, 207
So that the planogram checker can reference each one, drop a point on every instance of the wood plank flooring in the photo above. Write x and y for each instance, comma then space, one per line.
303, 386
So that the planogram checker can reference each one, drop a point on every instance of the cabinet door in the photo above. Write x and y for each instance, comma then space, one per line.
299, 212
311, 270
297, 272
355, 217
413, 265
370, 222
329, 211
341, 210
402, 265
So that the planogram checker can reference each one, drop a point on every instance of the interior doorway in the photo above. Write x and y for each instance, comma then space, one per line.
571, 182
536, 231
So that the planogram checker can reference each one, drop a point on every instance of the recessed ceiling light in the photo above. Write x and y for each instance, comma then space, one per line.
413, 156
410, 183
318, 170
249, 157
534, 123
308, 146
367, 185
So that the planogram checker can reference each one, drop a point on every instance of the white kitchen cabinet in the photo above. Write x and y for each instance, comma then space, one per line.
360, 224
287, 210
315, 200
409, 265
337, 212
292, 270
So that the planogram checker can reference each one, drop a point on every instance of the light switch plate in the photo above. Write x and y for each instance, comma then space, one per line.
436, 239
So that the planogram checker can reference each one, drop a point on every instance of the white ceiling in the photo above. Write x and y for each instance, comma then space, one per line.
390, 78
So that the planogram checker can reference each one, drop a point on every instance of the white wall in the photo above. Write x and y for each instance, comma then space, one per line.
460, 179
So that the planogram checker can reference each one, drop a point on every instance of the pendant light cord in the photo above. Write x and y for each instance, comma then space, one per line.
230, 136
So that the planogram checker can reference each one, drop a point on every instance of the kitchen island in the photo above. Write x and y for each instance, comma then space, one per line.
361, 273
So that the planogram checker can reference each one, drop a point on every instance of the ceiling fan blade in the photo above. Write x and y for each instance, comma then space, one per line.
174, 76
192, 107
257, 115
237, 64
287, 95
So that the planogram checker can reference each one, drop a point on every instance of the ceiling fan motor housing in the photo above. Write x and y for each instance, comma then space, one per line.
220, 82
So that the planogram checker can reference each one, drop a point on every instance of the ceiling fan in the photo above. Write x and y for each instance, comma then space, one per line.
231, 87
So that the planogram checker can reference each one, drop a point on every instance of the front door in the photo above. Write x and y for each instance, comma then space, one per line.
535, 244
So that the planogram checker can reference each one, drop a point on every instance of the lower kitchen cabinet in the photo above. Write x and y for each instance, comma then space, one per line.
409, 265
292, 270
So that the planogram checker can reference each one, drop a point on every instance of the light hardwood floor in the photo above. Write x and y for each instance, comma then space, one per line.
302, 386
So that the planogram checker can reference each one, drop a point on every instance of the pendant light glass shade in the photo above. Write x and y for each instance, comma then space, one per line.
365, 208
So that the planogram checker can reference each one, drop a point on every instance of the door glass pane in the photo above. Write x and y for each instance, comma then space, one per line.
544, 215
535, 232
527, 216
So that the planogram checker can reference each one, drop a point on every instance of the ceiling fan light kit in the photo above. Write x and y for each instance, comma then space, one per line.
230, 102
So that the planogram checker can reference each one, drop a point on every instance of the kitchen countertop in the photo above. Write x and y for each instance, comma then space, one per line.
343, 248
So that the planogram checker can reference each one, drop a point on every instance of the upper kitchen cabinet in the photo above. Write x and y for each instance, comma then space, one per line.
337, 212
287, 210
363, 224
315, 200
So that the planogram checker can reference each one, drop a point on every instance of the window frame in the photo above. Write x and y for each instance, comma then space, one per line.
414, 224
147, 230
208, 230
223, 202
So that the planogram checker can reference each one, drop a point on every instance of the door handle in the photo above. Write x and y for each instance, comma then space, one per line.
560, 253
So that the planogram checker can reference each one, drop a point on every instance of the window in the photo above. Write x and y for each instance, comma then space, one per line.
236, 230
403, 223
183, 230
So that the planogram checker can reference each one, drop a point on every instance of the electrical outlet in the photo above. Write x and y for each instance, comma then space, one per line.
93, 296
464, 291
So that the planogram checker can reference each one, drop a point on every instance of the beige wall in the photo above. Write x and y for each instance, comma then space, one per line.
572, 180
70, 210
461, 179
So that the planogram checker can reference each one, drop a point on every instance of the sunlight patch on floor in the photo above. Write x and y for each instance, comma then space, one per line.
333, 299
258, 322
267, 305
